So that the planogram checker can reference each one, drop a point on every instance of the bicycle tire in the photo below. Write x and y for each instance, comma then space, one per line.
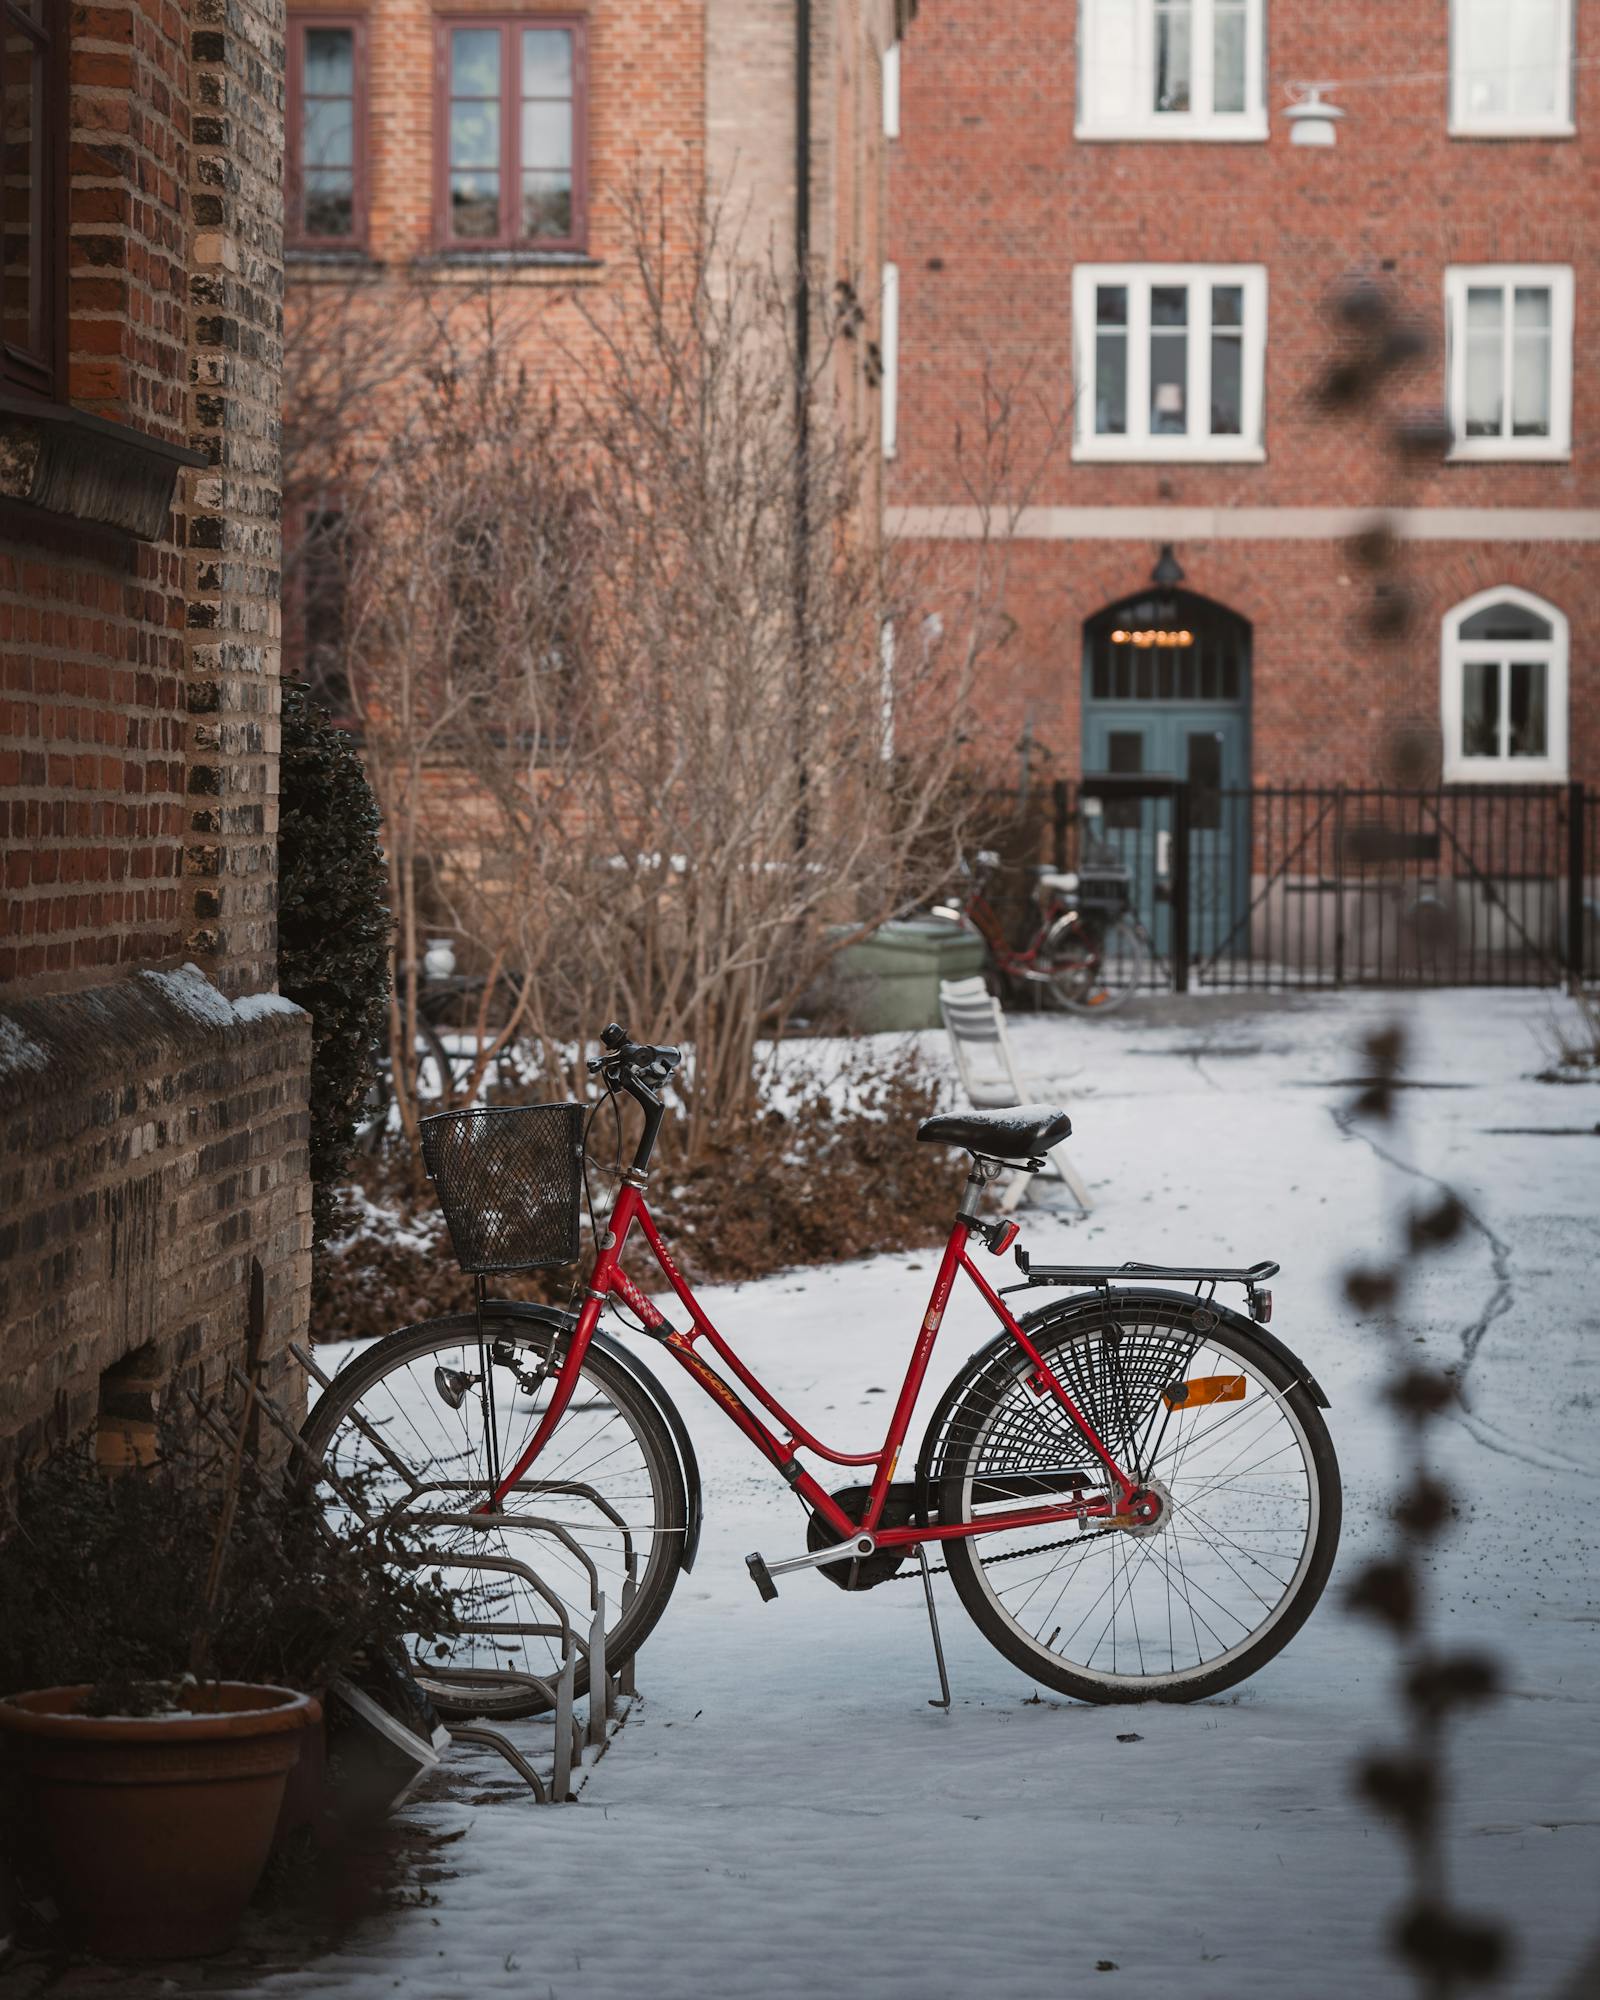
453, 1343
999, 1416
1090, 975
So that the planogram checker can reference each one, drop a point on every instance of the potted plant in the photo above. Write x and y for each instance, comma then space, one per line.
166, 1632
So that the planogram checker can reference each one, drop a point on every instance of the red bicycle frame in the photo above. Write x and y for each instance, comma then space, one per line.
608, 1280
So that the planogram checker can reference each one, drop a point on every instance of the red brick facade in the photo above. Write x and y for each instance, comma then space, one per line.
152, 1132
995, 201
687, 100
643, 118
93, 765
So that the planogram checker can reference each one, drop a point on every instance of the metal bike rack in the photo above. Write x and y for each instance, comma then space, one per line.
571, 1741
602, 1690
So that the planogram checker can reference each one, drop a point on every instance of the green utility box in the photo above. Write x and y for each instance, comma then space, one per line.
890, 981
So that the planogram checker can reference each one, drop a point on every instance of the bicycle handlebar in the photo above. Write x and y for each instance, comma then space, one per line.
640, 1069
623, 1056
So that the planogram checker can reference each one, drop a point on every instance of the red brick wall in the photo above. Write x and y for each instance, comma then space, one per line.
147, 1154
993, 204
646, 65
645, 127
129, 79
152, 1137
1325, 697
92, 762
92, 713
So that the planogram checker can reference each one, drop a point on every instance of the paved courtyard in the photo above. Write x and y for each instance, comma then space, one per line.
784, 1814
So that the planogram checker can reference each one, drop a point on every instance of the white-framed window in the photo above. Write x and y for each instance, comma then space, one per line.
889, 344
1503, 689
1169, 360
891, 91
1509, 332
1171, 69
1511, 68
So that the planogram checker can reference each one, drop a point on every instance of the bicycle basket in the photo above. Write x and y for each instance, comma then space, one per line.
1104, 881
508, 1181
1104, 889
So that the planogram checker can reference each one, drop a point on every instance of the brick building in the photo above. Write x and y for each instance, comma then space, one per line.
466, 151
153, 1087
1105, 195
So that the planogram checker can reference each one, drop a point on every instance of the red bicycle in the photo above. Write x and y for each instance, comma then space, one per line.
1133, 1485
1088, 950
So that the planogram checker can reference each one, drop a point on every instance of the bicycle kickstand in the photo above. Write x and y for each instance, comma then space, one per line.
933, 1626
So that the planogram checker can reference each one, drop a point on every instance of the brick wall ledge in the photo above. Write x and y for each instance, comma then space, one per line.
355, 268
104, 1037
510, 267
67, 462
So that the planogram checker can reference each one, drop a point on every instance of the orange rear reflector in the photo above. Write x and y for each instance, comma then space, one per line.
1204, 1389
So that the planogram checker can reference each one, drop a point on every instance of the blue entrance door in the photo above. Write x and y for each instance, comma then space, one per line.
1166, 693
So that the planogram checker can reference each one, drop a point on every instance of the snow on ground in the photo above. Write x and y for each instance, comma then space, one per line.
785, 1815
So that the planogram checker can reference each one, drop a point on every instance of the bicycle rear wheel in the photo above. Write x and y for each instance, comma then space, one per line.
404, 1435
1220, 1428
1093, 965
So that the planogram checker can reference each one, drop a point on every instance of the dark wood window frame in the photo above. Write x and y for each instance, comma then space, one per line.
508, 237
295, 235
42, 367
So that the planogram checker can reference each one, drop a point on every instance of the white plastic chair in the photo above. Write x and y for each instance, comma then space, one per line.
976, 1026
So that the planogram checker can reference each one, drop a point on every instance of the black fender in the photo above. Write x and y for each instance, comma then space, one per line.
563, 1323
1087, 1305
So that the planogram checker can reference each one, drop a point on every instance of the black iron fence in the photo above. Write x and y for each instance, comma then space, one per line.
1300, 886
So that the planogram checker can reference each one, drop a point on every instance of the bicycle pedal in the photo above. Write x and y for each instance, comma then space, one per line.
761, 1577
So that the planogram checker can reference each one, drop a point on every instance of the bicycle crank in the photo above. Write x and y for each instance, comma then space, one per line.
762, 1572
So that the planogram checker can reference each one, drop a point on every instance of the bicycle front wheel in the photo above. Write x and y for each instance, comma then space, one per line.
1093, 966
1214, 1424
411, 1430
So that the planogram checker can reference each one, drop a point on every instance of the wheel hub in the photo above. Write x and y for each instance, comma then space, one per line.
1146, 1512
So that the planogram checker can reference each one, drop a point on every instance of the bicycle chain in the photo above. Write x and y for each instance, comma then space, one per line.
1011, 1555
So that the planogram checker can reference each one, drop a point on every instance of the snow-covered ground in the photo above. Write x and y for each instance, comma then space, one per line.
784, 1814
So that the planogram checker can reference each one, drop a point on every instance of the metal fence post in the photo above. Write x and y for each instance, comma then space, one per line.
1060, 811
1180, 887
1338, 887
1575, 897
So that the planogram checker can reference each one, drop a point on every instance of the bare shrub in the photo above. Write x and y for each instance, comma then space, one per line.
618, 655
829, 1169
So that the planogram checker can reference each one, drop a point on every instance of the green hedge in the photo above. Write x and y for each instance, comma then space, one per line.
333, 928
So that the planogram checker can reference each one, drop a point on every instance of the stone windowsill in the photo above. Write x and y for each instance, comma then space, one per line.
65, 462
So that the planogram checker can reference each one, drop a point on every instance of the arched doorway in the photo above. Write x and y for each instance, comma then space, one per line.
1166, 693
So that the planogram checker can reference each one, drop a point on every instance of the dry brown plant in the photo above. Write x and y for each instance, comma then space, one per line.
618, 655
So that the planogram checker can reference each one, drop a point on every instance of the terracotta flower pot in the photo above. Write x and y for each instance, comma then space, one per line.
158, 1827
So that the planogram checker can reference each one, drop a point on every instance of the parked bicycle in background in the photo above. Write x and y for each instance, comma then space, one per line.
1087, 950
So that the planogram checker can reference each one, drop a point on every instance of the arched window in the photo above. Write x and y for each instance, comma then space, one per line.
1503, 689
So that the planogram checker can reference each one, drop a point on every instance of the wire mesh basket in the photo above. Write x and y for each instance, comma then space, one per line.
509, 1181
1105, 882
1104, 888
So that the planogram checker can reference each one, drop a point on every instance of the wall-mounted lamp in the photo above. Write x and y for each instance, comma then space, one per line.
1151, 636
1168, 569
1312, 120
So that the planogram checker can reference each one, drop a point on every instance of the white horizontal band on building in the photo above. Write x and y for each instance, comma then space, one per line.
1243, 524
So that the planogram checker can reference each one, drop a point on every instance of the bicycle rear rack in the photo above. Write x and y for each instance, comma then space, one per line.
1253, 1277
